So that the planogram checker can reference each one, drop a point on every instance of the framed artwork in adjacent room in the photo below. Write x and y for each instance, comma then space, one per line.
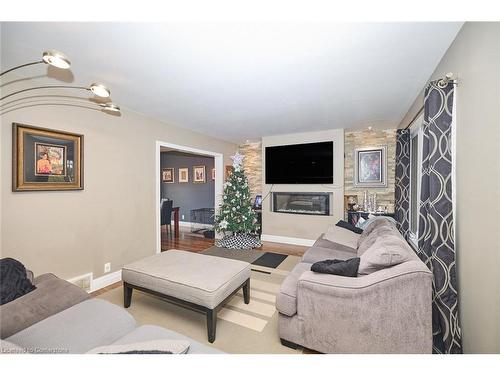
167, 175
213, 174
183, 175
199, 174
46, 159
370, 167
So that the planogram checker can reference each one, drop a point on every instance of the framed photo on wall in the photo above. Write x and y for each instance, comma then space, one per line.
370, 167
167, 175
183, 175
46, 159
199, 174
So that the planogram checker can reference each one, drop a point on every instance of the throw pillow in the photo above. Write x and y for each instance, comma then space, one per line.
369, 226
14, 281
387, 250
347, 267
145, 347
349, 226
361, 221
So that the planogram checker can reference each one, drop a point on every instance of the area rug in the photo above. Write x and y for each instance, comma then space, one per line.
241, 328
271, 260
255, 257
249, 255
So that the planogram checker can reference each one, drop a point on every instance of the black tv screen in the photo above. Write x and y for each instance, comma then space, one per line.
307, 163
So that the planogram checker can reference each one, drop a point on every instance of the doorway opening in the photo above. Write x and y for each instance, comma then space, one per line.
188, 190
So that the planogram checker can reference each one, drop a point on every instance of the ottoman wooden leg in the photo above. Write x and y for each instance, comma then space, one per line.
246, 292
127, 295
211, 324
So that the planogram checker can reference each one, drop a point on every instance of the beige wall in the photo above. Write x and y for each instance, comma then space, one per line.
304, 226
113, 219
364, 139
474, 57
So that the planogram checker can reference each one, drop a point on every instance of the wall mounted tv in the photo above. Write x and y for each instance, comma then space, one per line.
306, 163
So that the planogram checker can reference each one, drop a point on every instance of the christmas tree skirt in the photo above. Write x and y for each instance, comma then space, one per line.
239, 242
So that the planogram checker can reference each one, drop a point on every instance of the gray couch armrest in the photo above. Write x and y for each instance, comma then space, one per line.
51, 296
393, 305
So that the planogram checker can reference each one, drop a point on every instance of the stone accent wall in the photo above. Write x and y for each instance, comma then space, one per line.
369, 138
252, 163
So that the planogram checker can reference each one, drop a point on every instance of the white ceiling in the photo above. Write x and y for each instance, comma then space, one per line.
243, 81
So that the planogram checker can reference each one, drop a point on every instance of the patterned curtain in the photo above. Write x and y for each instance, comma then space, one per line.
436, 233
402, 206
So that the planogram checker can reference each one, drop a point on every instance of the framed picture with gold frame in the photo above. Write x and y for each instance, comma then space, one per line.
183, 175
199, 174
167, 175
46, 159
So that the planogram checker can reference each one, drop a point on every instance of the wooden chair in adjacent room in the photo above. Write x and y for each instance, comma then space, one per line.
166, 215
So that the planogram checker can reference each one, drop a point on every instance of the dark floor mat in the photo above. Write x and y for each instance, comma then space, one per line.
271, 260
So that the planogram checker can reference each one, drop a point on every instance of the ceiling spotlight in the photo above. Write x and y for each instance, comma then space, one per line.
56, 58
369, 128
110, 107
100, 90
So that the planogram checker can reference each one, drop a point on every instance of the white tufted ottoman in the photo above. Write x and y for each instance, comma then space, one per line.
199, 282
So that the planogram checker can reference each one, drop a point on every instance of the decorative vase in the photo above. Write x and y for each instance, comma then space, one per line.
365, 201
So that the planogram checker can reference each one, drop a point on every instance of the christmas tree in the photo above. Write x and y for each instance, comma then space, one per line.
235, 214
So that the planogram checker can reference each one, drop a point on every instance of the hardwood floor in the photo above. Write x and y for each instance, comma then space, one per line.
196, 243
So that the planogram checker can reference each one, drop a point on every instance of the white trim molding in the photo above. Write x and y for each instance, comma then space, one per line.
190, 224
106, 280
287, 240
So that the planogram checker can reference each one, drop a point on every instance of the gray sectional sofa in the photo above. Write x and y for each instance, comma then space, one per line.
386, 309
59, 317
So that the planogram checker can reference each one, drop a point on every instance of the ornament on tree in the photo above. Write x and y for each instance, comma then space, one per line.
235, 217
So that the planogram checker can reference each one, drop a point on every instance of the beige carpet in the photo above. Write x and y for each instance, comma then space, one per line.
241, 328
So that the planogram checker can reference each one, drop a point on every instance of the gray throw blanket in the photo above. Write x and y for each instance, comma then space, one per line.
347, 267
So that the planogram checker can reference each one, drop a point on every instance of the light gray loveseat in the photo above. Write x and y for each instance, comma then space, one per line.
59, 317
385, 310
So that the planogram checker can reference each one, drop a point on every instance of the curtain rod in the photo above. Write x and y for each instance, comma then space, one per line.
414, 118
441, 83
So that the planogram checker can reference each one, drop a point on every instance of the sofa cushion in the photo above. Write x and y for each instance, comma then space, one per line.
150, 332
286, 300
89, 324
51, 296
316, 254
369, 228
380, 230
387, 251
342, 236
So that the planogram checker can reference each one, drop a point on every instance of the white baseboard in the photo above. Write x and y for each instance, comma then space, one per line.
106, 280
198, 225
287, 240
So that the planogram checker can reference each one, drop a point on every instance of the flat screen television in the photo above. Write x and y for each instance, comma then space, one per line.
306, 163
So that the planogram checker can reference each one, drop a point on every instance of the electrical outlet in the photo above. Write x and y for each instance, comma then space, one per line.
107, 267
182, 217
